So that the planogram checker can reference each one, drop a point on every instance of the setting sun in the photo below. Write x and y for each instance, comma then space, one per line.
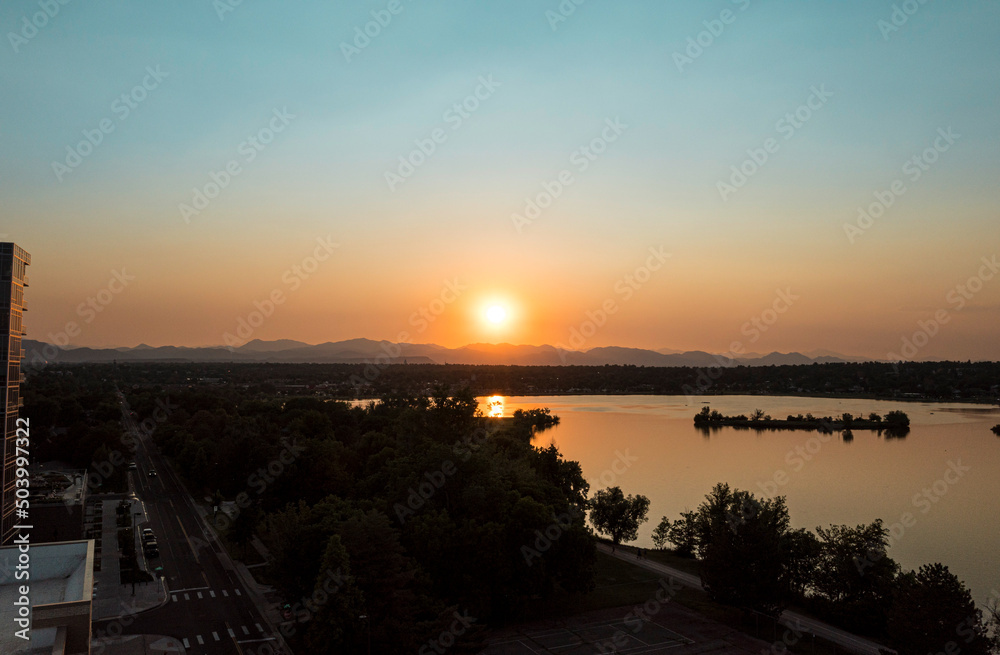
496, 314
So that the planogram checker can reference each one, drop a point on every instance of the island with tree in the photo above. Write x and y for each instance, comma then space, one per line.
894, 422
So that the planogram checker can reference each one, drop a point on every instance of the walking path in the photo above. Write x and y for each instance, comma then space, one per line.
793, 620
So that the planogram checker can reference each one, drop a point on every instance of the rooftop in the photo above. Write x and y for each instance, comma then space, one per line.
60, 572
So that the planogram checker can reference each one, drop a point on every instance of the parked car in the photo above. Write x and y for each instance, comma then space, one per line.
151, 548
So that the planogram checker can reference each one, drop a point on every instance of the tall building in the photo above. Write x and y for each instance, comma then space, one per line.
13, 264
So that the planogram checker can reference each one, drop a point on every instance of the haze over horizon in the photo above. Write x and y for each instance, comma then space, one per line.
688, 177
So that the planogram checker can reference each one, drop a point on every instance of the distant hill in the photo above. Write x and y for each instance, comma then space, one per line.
364, 350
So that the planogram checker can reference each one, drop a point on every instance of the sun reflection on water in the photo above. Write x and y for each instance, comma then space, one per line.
494, 405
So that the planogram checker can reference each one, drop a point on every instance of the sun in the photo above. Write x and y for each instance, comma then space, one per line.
496, 314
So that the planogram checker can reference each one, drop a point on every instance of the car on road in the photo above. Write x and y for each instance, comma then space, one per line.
152, 473
148, 536
132, 466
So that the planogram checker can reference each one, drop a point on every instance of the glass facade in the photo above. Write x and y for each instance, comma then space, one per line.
13, 279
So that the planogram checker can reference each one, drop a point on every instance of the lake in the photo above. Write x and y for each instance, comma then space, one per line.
938, 488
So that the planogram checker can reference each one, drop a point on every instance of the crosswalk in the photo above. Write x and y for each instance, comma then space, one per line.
202, 594
249, 636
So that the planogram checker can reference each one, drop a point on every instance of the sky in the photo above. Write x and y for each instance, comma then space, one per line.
723, 175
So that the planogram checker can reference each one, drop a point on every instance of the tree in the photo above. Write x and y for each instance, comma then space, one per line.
854, 575
660, 533
617, 515
744, 550
684, 534
897, 418
934, 612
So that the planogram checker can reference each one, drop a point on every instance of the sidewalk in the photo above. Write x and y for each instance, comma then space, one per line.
263, 596
856, 644
112, 599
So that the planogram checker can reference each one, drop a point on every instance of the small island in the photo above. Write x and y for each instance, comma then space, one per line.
894, 421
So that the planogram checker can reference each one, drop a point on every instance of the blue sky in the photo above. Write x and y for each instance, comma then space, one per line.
656, 185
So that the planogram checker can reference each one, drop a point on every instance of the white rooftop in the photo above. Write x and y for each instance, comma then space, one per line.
61, 572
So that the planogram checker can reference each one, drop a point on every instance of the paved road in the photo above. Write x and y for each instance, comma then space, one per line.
209, 608
857, 644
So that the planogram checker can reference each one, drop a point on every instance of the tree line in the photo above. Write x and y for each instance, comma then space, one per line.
749, 556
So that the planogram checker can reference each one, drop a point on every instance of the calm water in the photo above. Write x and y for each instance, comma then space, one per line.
649, 445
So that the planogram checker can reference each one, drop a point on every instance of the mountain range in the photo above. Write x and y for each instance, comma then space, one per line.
366, 350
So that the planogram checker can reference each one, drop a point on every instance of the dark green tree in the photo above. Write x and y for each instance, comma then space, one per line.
933, 612
744, 549
661, 533
617, 515
854, 576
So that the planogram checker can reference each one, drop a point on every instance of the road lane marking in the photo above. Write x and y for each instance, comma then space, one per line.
187, 644
225, 593
173, 597
187, 596
186, 537
254, 641
201, 642
199, 595
246, 630
232, 633
212, 593
215, 635
260, 629
238, 592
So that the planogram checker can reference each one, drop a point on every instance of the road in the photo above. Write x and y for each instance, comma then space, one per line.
209, 608
856, 644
